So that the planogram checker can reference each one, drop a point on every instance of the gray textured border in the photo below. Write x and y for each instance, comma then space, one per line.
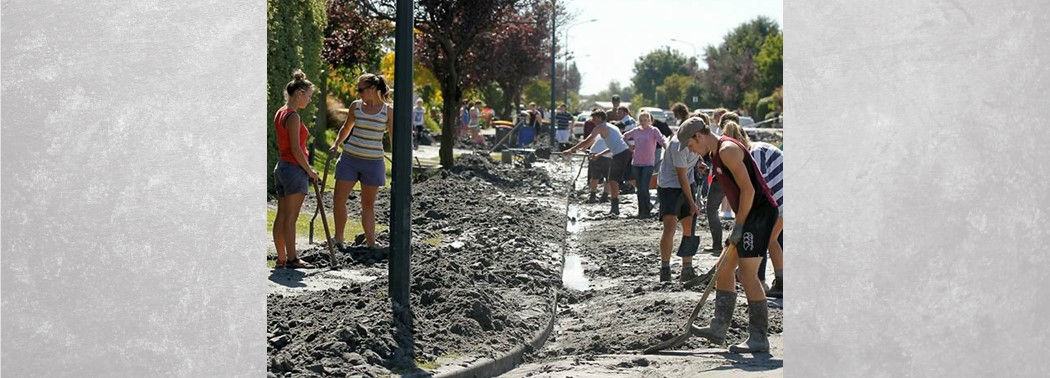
132, 150
917, 188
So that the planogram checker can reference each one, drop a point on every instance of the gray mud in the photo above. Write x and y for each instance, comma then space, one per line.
483, 274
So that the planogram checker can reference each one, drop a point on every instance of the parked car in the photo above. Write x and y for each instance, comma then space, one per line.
746, 121
657, 113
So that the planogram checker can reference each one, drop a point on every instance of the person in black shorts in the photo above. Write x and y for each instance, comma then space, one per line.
607, 146
756, 214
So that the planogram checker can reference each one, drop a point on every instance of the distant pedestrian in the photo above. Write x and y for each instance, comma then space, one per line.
464, 121
646, 138
417, 122
475, 123
361, 137
563, 120
292, 175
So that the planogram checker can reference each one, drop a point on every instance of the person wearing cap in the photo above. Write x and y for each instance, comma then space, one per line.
756, 209
678, 206
619, 155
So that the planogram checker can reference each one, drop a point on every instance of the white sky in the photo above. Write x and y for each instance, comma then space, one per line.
641, 26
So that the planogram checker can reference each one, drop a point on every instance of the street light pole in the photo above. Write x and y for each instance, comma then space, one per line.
566, 43
399, 270
554, 73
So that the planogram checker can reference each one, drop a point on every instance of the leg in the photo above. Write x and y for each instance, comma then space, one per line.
687, 231
776, 251
342, 192
714, 200
666, 243
294, 203
749, 279
368, 213
758, 312
279, 230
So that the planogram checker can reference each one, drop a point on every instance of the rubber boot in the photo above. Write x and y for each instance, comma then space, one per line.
615, 202
593, 198
688, 273
665, 274
605, 197
777, 291
758, 325
716, 332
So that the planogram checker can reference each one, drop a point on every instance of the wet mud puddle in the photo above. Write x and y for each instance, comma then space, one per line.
572, 275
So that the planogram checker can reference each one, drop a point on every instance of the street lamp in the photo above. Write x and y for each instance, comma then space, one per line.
567, 28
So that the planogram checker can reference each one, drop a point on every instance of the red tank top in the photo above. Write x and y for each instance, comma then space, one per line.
282, 136
725, 178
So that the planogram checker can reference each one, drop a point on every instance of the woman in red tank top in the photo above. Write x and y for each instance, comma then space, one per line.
293, 174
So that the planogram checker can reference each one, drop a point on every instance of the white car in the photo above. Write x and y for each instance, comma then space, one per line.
657, 113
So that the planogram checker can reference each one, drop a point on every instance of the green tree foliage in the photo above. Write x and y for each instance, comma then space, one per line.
295, 34
673, 89
651, 69
731, 68
538, 91
770, 63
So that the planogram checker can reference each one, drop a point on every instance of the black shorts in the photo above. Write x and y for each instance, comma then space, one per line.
621, 166
598, 169
757, 229
673, 202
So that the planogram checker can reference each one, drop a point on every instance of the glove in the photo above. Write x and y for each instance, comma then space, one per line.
738, 233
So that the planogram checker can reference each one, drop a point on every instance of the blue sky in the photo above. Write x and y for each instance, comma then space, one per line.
627, 29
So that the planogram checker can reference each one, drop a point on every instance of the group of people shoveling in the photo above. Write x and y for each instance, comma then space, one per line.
368, 120
749, 174
712, 150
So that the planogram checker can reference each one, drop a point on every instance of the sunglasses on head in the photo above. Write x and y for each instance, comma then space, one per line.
362, 89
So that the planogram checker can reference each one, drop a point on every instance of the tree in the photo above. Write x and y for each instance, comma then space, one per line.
517, 53
651, 69
351, 39
673, 89
447, 42
770, 63
731, 69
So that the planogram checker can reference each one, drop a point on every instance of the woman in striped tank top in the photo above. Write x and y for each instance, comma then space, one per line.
361, 137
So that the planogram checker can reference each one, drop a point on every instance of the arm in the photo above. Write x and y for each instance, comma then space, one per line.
390, 126
583, 143
344, 131
293, 143
733, 158
683, 182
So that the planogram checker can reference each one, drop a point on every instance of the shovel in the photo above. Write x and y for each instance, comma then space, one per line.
678, 340
324, 180
324, 218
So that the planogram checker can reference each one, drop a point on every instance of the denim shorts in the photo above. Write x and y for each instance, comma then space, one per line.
290, 178
367, 171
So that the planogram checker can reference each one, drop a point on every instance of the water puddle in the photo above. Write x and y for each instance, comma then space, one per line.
572, 275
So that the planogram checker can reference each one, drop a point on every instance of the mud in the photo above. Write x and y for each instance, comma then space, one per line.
623, 308
488, 245
483, 275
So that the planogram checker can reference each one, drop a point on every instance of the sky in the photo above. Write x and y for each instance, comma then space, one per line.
627, 29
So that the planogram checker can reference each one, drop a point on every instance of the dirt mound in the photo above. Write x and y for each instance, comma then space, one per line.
482, 276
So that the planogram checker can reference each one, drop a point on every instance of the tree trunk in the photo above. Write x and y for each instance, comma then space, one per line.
450, 114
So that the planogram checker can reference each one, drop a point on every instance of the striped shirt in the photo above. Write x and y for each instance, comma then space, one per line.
563, 119
366, 137
770, 160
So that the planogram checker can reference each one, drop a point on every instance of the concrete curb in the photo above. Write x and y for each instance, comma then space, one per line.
490, 367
